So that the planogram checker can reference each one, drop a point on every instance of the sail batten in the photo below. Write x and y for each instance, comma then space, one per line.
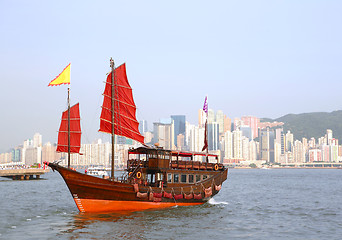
75, 131
125, 122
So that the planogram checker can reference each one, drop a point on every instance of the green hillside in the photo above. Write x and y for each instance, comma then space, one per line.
312, 124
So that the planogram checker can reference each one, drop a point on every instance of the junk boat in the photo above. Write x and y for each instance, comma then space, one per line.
155, 177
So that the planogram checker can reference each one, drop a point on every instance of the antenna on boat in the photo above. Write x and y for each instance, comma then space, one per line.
112, 65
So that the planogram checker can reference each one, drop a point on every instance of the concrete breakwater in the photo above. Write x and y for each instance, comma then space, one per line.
23, 174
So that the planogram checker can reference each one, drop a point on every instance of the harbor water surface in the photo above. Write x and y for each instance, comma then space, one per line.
253, 204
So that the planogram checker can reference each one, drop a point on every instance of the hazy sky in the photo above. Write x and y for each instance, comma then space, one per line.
260, 58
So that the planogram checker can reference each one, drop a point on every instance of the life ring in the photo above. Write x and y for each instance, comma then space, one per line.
138, 174
216, 167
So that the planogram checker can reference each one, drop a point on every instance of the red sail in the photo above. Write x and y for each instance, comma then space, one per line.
125, 122
75, 131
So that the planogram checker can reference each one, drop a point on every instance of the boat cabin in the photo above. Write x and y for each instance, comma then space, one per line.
158, 167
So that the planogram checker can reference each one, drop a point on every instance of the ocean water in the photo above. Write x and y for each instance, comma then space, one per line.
253, 204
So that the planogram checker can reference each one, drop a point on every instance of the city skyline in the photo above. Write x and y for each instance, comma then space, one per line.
244, 140
263, 58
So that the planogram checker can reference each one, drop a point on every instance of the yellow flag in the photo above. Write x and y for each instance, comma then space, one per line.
62, 78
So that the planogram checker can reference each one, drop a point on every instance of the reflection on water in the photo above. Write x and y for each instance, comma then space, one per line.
134, 225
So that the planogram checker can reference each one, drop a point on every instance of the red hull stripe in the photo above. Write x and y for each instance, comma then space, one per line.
94, 205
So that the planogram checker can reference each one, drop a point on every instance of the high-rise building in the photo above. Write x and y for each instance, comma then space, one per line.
280, 139
266, 139
245, 148
143, 126
180, 142
213, 136
299, 152
334, 153
163, 135
246, 132
329, 136
179, 126
253, 153
227, 124
312, 143
315, 155
253, 123
49, 153
237, 144
196, 140
277, 151
237, 123
16, 154
37, 140
148, 137
202, 117
220, 120
325, 153
228, 145
211, 116
33, 155
288, 141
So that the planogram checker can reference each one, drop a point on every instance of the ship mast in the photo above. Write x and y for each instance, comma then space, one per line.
206, 122
112, 65
68, 127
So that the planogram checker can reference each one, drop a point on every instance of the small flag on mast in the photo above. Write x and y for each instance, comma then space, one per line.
205, 106
62, 78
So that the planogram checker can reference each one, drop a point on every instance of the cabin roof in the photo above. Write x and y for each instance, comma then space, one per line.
147, 150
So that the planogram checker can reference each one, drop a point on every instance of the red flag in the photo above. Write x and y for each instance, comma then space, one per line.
205, 137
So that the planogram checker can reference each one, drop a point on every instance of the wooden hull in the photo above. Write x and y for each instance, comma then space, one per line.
93, 194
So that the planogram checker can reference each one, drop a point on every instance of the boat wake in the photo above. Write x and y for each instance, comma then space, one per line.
212, 201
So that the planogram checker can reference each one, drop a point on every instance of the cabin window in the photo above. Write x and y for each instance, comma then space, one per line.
183, 178
191, 178
160, 176
198, 178
149, 177
205, 177
175, 178
169, 177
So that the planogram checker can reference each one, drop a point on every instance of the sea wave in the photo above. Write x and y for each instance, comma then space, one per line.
214, 202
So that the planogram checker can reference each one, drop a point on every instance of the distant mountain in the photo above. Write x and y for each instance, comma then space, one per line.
310, 125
